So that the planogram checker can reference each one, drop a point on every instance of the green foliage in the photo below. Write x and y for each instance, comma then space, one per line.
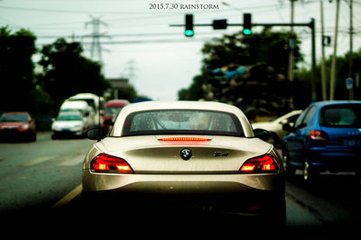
16, 69
303, 77
67, 72
262, 86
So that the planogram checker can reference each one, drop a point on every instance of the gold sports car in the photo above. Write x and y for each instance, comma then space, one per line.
185, 155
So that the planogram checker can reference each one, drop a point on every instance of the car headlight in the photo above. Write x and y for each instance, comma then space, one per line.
24, 127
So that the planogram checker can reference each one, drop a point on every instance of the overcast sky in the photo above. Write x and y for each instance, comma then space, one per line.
137, 42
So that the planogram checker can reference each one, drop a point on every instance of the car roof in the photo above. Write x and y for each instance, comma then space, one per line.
16, 112
332, 102
116, 102
74, 102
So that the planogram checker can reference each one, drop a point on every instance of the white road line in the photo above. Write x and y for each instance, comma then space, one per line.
71, 161
39, 160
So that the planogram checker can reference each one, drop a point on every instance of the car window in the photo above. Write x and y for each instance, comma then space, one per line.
310, 113
305, 117
112, 110
293, 118
69, 117
341, 116
14, 118
182, 121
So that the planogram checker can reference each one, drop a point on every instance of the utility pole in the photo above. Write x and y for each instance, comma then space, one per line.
323, 64
313, 62
333, 68
291, 45
351, 91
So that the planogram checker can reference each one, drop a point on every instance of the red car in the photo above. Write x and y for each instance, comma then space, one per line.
111, 111
17, 126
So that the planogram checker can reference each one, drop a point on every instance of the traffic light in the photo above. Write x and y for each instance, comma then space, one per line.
247, 24
189, 32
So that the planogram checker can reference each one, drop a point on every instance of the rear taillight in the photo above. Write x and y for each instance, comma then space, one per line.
109, 164
261, 164
318, 135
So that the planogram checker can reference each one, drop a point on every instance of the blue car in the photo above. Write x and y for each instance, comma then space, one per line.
325, 137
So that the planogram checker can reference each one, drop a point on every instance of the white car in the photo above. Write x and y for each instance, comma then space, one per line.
69, 124
275, 125
160, 156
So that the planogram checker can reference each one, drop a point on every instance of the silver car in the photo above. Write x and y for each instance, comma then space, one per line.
189, 155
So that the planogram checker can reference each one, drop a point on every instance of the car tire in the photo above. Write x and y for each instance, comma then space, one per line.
31, 137
277, 216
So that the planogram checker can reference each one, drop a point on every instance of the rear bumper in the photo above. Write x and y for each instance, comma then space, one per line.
335, 159
221, 196
14, 134
68, 133
251, 203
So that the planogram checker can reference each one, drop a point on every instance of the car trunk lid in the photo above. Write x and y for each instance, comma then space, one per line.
184, 154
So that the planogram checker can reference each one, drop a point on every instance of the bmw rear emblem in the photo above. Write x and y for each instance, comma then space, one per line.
186, 153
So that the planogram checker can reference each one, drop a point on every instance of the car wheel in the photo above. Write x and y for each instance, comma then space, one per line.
33, 137
277, 215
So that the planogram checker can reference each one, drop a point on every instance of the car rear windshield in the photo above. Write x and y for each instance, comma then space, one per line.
342, 116
182, 122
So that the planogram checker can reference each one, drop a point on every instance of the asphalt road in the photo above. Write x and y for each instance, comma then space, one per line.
40, 185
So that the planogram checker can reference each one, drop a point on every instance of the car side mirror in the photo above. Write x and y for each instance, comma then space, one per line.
287, 127
96, 133
109, 122
262, 134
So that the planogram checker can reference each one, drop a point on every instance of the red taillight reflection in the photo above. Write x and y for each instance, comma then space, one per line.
107, 163
259, 164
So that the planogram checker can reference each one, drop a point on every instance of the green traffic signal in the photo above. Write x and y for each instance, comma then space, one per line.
247, 32
189, 33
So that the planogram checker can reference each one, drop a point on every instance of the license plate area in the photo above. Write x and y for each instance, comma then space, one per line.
352, 142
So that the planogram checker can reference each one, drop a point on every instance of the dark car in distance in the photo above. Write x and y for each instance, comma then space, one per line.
326, 137
17, 126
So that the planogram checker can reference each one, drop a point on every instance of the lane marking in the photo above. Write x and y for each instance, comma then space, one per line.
70, 196
39, 160
72, 160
